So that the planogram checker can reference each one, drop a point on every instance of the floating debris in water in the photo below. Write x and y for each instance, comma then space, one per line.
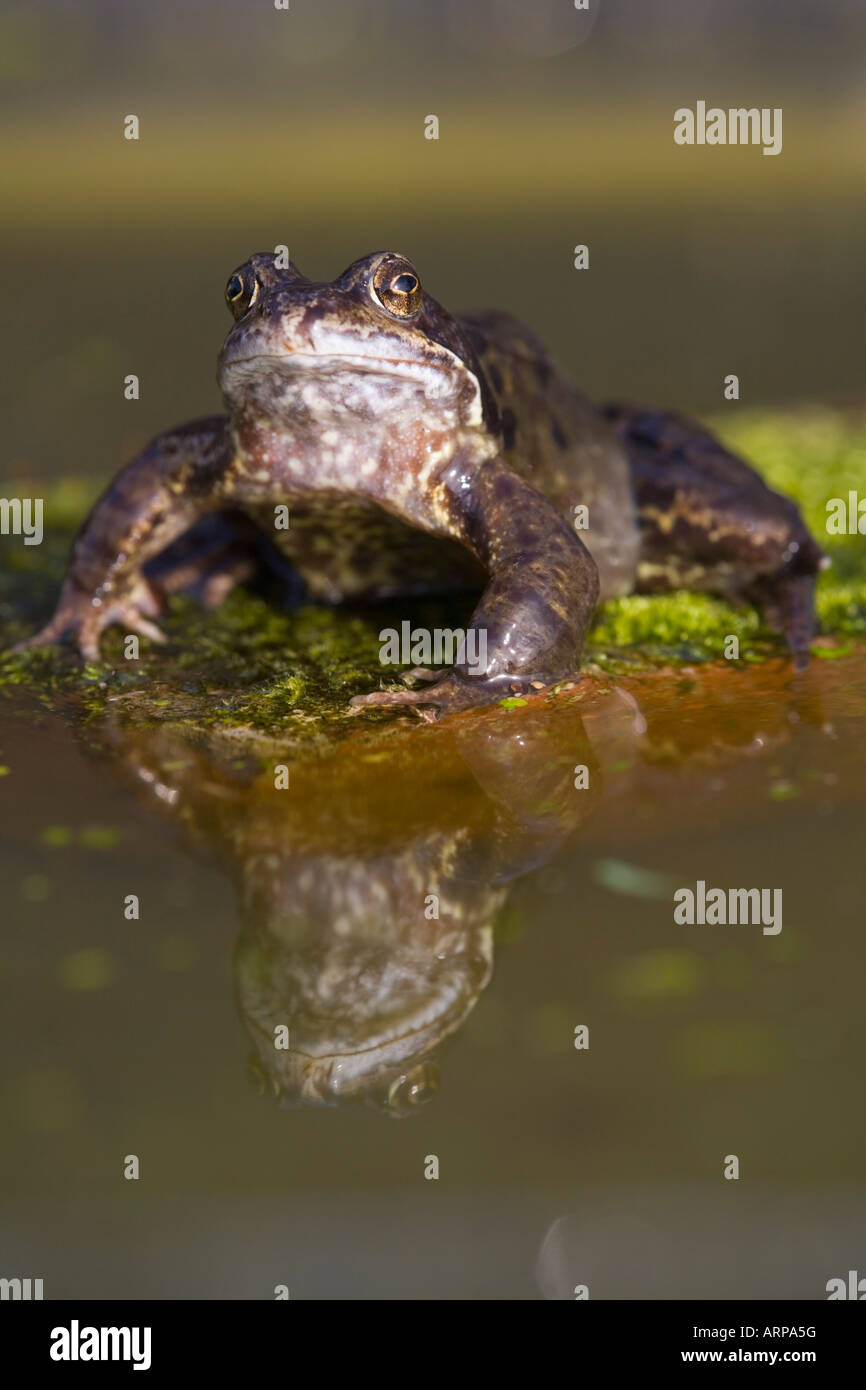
631, 879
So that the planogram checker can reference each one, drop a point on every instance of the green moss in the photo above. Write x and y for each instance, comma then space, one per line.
252, 671
680, 627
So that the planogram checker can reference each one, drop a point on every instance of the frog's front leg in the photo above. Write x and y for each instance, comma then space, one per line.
529, 627
152, 501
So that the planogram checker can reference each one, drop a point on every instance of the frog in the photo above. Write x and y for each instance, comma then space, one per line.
375, 446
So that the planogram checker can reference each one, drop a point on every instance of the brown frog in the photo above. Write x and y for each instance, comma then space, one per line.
411, 451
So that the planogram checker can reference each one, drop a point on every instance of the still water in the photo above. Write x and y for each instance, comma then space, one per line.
550, 842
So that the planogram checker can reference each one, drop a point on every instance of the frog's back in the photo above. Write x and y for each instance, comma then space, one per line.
556, 439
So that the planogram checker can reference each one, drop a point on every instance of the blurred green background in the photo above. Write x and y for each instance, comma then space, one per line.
306, 127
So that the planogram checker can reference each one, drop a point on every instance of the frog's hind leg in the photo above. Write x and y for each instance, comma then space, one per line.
217, 554
709, 522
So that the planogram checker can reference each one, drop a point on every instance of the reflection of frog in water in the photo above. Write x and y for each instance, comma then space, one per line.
418, 452
369, 888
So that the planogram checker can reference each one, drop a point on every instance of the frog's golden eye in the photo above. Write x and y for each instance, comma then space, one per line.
241, 291
398, 291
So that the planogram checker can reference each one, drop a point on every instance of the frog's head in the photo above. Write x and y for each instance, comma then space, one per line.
365, 988
369, 347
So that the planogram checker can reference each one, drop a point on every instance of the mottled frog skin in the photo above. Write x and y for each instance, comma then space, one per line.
419, 452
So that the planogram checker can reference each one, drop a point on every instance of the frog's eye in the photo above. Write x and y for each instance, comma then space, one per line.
241, 291
398, 291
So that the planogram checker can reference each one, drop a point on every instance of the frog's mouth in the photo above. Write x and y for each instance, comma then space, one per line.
308, 1076
316, 1070
345, 386
331, 1078
440, 379
296, 362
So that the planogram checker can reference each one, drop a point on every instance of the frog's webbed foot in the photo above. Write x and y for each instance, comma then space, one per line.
448, 694
86, 617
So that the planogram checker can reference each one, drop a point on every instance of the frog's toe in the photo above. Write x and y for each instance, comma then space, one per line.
134, 613
393, 698
86, 619
206, 577
216, 586
423, 673
87, 638
134, 622
45, 637
449, 695
71, 616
